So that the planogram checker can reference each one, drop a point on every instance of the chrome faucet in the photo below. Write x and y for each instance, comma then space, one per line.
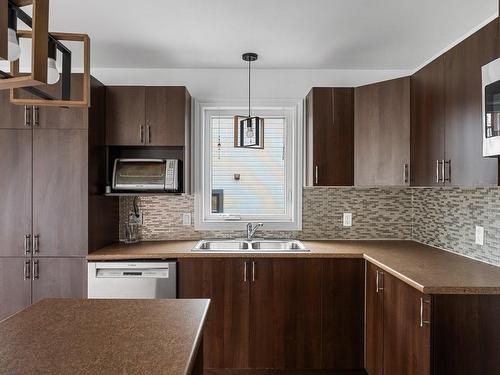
251, 229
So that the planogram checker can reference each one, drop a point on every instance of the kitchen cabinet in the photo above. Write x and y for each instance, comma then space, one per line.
147, 116
11, 116
223, 280
398, 319
285, 318
463, 101
374, 341
343, 284
125, 115
427, 125
407, 319
15, 285
279, 313
59, 278
330, 137
60, 174
54, 211
382, 133
446, 137
15, 192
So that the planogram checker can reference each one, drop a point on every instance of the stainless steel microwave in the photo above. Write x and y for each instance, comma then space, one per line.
491, 108
146, 175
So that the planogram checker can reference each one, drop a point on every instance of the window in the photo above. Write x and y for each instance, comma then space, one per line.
237, 185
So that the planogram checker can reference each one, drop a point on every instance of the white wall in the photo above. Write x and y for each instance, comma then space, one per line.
232, 83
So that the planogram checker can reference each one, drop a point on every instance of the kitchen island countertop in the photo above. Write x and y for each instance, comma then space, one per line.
68, 336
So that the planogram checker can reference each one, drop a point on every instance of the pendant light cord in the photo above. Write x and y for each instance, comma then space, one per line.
249, 68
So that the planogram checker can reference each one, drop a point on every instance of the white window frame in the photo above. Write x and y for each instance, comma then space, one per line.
293, 111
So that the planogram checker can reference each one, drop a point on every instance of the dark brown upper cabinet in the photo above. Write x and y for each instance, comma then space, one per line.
147, 116
382, 133
427, 124
463, 98
12, 116
446, 138
330, 137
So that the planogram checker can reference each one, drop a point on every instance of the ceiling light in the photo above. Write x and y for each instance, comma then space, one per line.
14, 51
52, 72
248, 130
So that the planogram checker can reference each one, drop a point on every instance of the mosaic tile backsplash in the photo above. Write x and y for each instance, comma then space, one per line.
441, 217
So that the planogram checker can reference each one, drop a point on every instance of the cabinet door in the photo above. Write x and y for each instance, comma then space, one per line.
225, 339
382, 133
332, 120
343, 314
463, 109
285, 313
165, 115
125, 115
12, 116
62, 117
60, 192
15, 285
406, 329
59, 278
15, 191
374, 338
427, 123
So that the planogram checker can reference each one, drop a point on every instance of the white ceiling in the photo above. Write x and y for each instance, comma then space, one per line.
287, 34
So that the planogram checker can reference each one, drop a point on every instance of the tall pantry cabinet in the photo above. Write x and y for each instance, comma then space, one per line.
53, 208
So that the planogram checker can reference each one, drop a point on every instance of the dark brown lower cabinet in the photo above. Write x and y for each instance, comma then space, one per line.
15, 285
397, 326
411, 333
283, 314
225, 340
59, 278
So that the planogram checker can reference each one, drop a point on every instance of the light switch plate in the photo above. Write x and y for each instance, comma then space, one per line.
133, 219
479, 235
347, 219
186, 218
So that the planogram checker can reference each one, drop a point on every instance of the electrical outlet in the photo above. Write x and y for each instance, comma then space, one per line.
479, 235
133, 219
186, 218
347, 219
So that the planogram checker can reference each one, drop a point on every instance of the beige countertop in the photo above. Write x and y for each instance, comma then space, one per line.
63, 336
428, 269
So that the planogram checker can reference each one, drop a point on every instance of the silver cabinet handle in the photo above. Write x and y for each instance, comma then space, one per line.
405, 173
253, 272
378, 288
438, 175
36, 270
27, 244
245, 272
36, 244
446, 162
27, 270
316, 175
149, 134
141, 133
422, 321
27, 116
36, 116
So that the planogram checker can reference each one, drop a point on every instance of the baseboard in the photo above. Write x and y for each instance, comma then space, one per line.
281, 372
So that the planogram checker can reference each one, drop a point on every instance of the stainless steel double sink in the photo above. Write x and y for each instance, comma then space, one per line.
255, 245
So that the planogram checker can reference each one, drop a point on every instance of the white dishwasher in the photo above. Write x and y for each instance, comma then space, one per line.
132, 280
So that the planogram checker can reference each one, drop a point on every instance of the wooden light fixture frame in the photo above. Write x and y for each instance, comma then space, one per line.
85, 101
39, 47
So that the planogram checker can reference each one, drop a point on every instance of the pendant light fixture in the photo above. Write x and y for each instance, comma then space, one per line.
52, 72
248, 130
13, 49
